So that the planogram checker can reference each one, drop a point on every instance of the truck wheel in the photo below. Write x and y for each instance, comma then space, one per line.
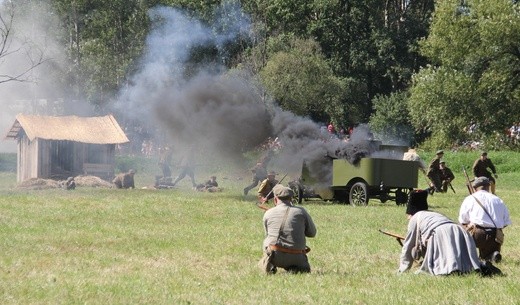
401, 196
358, 194
298, 193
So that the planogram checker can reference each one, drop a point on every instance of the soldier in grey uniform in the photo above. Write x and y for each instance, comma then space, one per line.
440, 246
286, 228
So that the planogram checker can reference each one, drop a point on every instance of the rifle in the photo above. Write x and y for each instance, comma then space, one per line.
451, 187
468, 182
261, 204
399, 238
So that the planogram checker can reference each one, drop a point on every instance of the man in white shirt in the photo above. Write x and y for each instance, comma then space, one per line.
484, 215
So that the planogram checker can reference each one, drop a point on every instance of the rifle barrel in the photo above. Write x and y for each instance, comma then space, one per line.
397, 237
391, 234
468, 182
451, 186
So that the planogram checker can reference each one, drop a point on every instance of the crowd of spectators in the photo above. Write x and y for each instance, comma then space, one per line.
513, 133
330, 131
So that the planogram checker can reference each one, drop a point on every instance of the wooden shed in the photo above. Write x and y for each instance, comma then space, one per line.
58, 147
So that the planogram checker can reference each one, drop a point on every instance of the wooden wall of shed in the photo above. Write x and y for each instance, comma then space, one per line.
79, 157
27, 159
34, 158
44, 159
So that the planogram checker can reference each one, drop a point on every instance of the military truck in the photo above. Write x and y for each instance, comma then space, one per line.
371, 178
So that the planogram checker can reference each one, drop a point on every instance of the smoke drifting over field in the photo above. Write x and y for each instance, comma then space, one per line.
26, 39
202, 105
219, 111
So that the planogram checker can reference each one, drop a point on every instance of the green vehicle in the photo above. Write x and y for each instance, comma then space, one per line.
370, 178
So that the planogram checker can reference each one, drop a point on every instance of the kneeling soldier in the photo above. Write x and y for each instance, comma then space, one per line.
286, 227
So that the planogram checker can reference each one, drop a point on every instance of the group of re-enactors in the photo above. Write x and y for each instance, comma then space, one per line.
439, 245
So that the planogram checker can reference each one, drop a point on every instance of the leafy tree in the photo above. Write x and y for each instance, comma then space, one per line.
103, 38
299, 78
390, 119
370, 43
475, 49
439, 103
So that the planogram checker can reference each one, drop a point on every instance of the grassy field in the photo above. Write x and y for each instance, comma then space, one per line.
107, 246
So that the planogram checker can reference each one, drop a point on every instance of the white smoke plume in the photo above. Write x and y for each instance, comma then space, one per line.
32, 34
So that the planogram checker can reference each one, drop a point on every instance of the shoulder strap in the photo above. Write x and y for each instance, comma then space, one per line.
482, 206
283, 224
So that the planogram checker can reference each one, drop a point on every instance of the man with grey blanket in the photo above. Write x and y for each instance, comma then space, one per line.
286, 227
443, 246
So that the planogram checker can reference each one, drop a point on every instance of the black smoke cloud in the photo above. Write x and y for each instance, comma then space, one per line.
221, 112
197, 104
215, 113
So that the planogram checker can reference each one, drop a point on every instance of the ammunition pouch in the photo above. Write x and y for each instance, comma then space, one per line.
499, 237
265, 263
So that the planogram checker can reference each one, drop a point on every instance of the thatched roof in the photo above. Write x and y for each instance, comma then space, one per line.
92, 130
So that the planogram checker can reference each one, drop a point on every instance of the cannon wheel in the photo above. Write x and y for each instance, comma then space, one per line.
358, 194
401, 196
298, 193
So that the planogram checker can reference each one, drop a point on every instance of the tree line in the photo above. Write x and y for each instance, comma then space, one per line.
420, 69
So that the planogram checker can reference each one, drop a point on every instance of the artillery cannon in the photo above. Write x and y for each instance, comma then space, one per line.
370, 178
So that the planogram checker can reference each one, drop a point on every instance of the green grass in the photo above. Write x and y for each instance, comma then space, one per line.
107, 246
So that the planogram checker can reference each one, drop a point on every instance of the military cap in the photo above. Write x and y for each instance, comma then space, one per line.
442, 162
480, 181
282, 192
417, 202
271, 173
439, 152
132, 171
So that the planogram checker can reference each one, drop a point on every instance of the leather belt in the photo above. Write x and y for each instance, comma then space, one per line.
287, 250
485, 228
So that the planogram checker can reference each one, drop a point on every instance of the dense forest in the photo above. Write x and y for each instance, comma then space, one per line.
419, 69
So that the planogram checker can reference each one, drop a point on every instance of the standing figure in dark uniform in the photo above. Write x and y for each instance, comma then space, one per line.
259, 171
259, 174
187, 169
480, 170
434, 173
165, 160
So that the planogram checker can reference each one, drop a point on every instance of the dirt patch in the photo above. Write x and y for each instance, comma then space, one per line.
92, 181
39, 184
42, 184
